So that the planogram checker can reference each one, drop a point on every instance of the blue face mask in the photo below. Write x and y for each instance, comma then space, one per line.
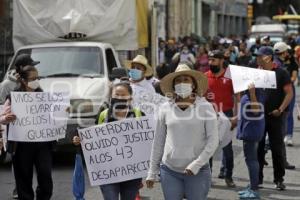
135, 74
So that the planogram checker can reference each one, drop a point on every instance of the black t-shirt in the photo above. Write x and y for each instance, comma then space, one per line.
275, 97
291, 66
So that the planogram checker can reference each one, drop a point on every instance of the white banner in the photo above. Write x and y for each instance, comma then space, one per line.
41, 116
111, 21
117, 151
243, 76
148, 102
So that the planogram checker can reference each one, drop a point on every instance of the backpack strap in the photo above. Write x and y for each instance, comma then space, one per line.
102, 116
137, 112
104, 113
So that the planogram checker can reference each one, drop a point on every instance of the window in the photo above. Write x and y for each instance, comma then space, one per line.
111, 61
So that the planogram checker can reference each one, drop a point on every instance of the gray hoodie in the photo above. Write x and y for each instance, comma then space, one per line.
8, 85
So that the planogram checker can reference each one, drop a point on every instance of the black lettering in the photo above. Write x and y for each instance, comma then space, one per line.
86, 135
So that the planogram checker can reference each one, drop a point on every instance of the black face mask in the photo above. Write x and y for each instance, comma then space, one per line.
214, 69
119, 103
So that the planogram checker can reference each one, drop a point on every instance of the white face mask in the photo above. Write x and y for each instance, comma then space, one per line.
34, 84
183, 89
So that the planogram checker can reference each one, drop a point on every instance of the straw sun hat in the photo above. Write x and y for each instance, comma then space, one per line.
139, 59
166, 84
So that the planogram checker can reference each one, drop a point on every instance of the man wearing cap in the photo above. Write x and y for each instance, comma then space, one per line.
12, 80
266, 41
281, 57
276, 102
221, 93
139, 69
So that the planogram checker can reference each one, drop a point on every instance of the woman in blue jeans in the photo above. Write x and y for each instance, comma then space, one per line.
185, 139
251, 127
119, 108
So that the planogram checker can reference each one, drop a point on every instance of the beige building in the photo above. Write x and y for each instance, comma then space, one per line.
203, 17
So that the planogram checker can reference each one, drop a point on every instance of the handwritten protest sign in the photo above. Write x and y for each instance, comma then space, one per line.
148, 102
41, 116
243, 76
117, 151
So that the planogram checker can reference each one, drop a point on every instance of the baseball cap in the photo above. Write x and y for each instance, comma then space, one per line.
25, 59
280, 47
216, 54
266, 37
265, 51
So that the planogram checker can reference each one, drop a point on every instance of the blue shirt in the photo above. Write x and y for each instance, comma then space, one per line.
251, 126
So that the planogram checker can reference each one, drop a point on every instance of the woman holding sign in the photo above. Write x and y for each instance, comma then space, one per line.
119, 108
186, 137
28, 154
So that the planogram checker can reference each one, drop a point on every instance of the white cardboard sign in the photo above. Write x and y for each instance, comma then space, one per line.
117, 151
243, 76
148, 102
41, 116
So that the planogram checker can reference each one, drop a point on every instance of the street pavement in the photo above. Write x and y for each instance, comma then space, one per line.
62, 176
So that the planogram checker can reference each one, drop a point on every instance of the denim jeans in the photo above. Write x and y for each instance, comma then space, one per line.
126, 190
290, 118
250, 153
177, 185
227, 155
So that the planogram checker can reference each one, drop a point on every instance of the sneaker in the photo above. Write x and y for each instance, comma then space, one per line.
229, 182
290, 142
280, 186
285, 140
221, 175
244, 190
289, 166
15, 194
250, 194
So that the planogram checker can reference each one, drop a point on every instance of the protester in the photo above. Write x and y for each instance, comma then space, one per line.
254, 48
139, 69
277, 101
292, 68
221, 93
170, 51
27, 154
12, 83
161, 52
119, 108
184, 56
182, 156
280, 58
266, 41
13, 76
202, 60
244, 55
251, 129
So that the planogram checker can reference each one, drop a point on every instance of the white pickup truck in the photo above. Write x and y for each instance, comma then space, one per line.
80, 68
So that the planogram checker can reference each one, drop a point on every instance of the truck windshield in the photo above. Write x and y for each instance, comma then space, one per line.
67, 61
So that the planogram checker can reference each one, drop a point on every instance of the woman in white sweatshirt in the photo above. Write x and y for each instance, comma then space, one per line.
186, 137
